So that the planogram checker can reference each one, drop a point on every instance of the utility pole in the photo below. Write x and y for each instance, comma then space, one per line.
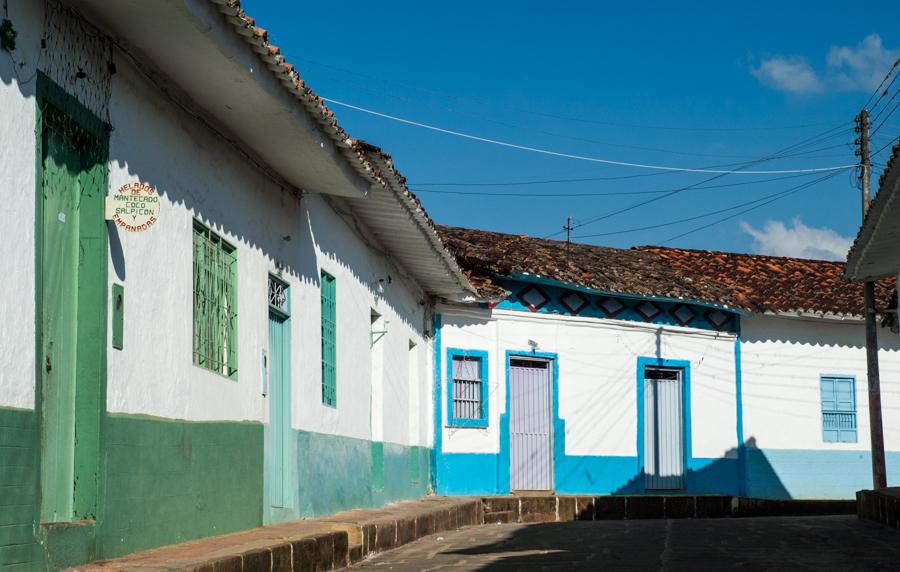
876, 429
568, 228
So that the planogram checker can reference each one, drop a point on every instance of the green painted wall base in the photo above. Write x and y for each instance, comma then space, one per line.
19, 482
171, 481
163, 482
371, 474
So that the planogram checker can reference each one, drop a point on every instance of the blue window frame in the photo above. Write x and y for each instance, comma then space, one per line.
467, 381
838, 408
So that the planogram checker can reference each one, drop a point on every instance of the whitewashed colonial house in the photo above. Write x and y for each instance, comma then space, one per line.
606, 371
260, 350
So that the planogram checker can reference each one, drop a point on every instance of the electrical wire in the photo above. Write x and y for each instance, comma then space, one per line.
878, 89
888, 116
573, 156
805, 143
602, 194
552, 115
887, 103
737, 214
488, 119
509, 125
886, 145
778, 194
421, 185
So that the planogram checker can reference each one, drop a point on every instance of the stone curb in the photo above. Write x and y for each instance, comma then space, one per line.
526, 509
306, 545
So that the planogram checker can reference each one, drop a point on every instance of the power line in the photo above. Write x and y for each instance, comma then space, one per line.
572, 156
804, 143
557, 181
419, 186
887, 103
507, 124
888, 116
778, 194
878, 89
552, 115
602, 194
737, 214
886, 145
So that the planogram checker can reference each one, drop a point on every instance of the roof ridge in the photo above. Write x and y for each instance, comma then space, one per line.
650, 247
646, 247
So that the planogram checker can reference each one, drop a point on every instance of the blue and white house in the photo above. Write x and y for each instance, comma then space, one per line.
593, 370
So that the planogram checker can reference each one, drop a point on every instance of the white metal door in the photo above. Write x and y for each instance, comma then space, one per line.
663, 433
530, 435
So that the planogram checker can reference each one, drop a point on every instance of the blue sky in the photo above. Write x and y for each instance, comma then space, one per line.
673, 84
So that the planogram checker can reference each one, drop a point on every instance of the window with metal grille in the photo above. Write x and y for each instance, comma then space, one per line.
215, 302
468, 388
838, 409
329, 345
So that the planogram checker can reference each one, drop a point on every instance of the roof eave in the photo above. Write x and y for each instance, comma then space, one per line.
874, 253
629, 295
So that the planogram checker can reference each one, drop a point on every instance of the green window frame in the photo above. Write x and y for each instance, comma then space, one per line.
215, 302
329, 340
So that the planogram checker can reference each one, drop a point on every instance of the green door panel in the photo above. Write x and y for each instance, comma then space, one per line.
279, 462
61, 192
72, 309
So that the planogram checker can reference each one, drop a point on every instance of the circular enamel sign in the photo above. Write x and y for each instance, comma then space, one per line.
133, 207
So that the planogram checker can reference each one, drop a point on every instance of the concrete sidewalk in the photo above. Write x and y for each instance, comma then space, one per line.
323, 544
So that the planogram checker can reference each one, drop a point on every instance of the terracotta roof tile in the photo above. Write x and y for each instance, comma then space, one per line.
486, 256
778, 284
749, 282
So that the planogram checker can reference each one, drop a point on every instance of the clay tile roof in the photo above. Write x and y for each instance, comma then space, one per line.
749, 282
486, 256
778, 284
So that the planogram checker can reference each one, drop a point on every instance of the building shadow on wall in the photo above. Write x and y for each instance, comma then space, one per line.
617, 543
743, 471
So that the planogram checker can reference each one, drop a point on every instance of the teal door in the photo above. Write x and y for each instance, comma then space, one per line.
279, 459
71, 312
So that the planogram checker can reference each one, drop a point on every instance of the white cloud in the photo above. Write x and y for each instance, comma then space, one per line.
860, 68
797, 241
849, 68
792, 74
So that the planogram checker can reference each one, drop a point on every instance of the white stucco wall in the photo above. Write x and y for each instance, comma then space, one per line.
199, 175
597, 361
17, 187
783, 359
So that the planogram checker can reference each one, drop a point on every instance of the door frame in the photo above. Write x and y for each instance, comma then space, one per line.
685, 367
557, 429
90, 406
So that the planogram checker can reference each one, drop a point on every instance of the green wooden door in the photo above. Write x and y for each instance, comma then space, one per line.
61, 192
279, 462
72, 314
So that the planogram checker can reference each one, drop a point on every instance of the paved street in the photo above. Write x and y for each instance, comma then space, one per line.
789, 543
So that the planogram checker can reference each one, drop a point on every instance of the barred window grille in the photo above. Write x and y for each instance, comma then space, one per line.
329, 345
467, 388
278, 294
215, 302
838, 409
